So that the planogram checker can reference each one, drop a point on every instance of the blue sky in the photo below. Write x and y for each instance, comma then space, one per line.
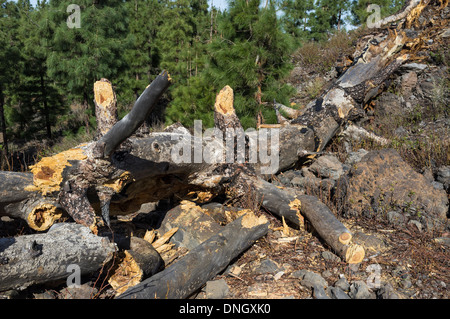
221, 4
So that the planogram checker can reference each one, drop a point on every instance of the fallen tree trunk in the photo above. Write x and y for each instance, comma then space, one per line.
15, 201
202, 263
293, 208
41, 258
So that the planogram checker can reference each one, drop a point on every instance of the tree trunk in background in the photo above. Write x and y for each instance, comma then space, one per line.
3, 140
46, 110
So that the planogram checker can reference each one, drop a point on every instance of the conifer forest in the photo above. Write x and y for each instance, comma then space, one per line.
50, 58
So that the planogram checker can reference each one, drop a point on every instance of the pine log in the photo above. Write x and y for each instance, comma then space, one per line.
293, 208
42, 258
204, 262
18, 202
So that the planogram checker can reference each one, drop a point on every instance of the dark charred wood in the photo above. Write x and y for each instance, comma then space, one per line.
133, 120
201, 264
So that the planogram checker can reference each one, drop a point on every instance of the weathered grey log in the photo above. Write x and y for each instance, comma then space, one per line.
18, 202
42, 258
202, 263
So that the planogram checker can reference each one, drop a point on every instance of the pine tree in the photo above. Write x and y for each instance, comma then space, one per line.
251, 56
142, 56
81, 56
9, 57
174, 39
185, 55
295, 18
39, 99
328, 16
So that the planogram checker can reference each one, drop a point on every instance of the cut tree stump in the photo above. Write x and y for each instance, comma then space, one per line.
42, 258
105, 106
202, 263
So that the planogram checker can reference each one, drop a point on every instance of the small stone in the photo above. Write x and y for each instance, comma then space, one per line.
395, 218
311, 279
327, 166
278, 275
84, 291
329, 256
359, 290
437, 185
267, 266
355, 157
45, 295
297, 181
343, 284
338, 293
387, 292
417, 224
319, 292
298, 274
406, 283
217, 289
443, 176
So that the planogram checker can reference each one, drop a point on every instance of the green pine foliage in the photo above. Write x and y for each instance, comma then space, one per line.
47, 69
81, 56
251, 37
142, 55
296, 18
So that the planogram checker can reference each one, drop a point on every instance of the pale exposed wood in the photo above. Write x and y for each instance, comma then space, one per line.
165, 238
105, 106
138, 262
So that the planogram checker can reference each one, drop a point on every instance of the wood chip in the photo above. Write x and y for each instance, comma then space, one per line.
165, 238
